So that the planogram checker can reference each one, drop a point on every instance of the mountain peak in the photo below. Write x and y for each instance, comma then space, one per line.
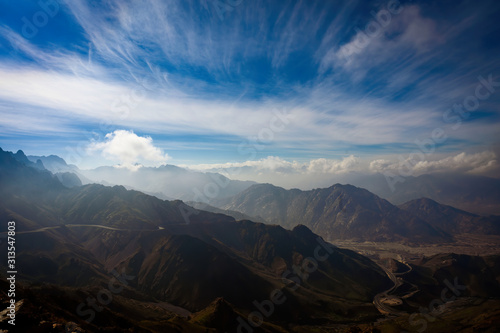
57, 158
337, 212
21, 157
266, 185
20, 153
39, 165
302, 230
451, 219
425, 201
221, 304
348, 188
219, 314
426, 204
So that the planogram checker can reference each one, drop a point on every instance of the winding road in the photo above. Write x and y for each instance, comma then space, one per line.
384, 297
79, 225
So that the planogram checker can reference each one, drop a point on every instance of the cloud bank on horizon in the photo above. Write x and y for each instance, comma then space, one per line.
288, 87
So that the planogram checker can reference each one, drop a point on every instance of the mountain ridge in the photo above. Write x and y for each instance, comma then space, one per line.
336, 212
450, 219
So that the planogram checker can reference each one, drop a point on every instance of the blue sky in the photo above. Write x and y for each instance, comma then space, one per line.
215, 84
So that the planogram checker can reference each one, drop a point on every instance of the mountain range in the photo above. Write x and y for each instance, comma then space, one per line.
168, 182
76, 237
338, 212
454, 221
472, 193
349, 212
185, 269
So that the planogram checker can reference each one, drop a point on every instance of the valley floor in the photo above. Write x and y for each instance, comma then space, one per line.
469, 244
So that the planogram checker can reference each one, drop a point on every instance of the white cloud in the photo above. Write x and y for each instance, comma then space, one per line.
379, 165
371, 46
477, 163
326, 166
278, 165
97, 100
325, 172
129, 149
469, 163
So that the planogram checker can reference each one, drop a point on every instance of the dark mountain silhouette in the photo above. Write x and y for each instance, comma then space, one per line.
23, 159
20, 177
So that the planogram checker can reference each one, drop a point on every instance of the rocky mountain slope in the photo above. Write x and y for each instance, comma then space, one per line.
337, 212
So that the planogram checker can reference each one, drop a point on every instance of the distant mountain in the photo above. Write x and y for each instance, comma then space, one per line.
53, 163
166, 182
68, 179
236, 215
337, 212
170, 181
67, 174
472, 193
21, 176
22, 158
452, 220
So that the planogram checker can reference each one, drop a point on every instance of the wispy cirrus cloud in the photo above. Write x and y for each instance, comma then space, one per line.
176, 68
402, 30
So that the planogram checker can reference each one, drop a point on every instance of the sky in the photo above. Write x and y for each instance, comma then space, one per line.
269, 87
